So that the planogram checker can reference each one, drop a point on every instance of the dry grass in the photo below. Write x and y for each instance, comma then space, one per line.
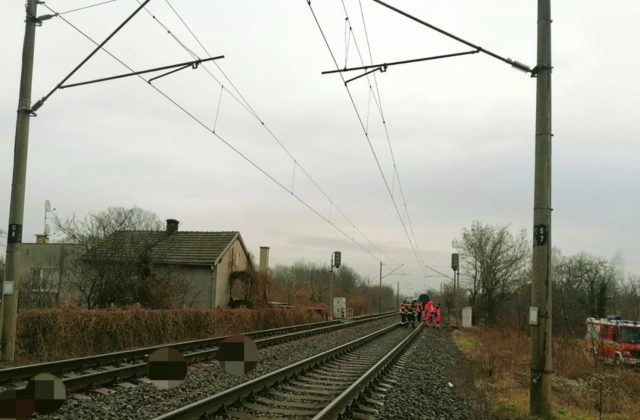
500, 362
64, 332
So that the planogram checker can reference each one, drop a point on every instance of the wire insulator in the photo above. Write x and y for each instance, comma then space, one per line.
519, 66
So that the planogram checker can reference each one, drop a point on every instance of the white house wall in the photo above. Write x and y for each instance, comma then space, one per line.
234, 259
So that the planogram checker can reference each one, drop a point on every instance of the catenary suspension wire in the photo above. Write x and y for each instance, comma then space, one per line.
242, 102
273, 136
227, 143
41, 102
380, 109
86, 7
365, 131
418, 259
375, 80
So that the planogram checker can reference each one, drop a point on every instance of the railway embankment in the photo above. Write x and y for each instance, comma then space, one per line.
498, 359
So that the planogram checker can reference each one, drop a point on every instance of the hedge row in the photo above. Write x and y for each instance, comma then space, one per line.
66, 332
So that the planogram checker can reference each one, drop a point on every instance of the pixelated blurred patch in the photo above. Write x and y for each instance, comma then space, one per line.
16, 404
167, 368
238, 355
48, 392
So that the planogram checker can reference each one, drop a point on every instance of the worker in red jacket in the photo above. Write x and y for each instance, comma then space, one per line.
428, 310
436, 311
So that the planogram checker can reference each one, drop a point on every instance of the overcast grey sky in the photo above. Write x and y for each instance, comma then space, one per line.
461, 129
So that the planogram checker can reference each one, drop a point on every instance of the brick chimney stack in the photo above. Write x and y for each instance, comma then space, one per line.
172, 226
264, 259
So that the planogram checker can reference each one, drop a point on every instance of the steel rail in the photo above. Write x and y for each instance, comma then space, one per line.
226, 398
343, 401
194, 351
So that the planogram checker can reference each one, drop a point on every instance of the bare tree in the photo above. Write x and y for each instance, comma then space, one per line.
630, 305
308, 282
114, 267
493, 261
585, 285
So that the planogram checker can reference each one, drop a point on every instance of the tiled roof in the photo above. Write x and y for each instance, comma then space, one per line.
176, 248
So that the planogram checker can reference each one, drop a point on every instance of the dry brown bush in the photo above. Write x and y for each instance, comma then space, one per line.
500, 359
67, 331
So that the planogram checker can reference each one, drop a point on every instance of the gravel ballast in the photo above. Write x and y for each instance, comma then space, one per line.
146, 401
427, 384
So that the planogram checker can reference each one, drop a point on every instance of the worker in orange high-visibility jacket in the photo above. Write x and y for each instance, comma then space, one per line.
412, 313
436, 312
404, 310
428, 310
419, 310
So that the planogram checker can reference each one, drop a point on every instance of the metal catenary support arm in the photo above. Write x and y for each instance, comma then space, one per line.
194, 64
41, 102
516, 64
383, 66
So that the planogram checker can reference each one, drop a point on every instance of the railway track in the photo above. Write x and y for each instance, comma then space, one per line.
85, 372
320, 387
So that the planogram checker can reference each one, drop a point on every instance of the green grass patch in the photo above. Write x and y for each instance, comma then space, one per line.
463, 343
569, 413
511, 411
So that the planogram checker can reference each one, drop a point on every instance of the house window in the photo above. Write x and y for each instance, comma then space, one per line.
44, 280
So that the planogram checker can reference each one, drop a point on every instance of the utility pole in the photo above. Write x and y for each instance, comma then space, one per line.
388, 274
380, 291
16, 207
541, 366
10, 287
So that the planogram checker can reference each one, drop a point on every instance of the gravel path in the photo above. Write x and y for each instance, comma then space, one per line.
145, 400
429, 384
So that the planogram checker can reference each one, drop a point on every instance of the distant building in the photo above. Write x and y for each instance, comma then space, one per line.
205, 260
43, 269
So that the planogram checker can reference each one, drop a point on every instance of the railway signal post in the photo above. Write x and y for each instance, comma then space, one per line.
336, 261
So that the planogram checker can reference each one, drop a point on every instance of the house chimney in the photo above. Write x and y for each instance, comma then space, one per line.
264, 259
172, 226
42, 239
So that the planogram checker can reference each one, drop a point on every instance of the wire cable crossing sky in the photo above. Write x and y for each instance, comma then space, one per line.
412, 244
226, 142
452, 139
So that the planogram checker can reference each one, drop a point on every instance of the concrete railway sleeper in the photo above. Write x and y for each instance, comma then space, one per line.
81, 373
324, 386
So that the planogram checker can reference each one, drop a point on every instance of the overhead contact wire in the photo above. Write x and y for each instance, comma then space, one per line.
237, 151
364, 130
86, 7
380, 108
273, 136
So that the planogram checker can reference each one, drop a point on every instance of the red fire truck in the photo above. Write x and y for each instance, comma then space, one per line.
614, 340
